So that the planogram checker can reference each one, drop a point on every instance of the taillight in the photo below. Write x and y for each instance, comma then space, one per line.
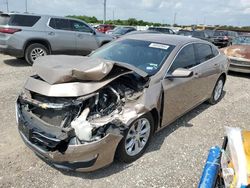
9, 30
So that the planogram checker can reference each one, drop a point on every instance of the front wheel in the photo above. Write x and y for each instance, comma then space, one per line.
34, 51
136, 139
217, 92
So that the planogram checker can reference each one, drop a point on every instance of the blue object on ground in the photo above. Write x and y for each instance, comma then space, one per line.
211, 168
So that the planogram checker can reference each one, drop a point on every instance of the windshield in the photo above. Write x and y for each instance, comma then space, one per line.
242, 40
163, 30
121, 31
220, 33
185, 33
144, 55
198, 34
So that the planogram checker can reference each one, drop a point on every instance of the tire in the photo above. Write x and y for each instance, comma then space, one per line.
217, 92
104, 43
131, 154
36, 50
229, 44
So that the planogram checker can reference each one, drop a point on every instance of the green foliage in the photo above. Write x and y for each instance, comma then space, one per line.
135, 22
234, 28
130, 21
87, 19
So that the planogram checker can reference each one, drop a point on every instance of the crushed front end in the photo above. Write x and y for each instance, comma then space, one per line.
78, 133
45, 126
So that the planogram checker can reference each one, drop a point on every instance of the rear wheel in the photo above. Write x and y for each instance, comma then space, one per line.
217, 92
34, 51
136, 139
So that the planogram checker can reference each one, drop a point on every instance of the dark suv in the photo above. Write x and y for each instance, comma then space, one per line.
223, 38
204, 35
30, 36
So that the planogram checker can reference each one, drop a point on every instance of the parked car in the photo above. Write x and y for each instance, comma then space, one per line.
120, 31
103, 28
162, 30
183, 32
239, 54
30, 36
202, 35
209, 32
109, 32
143, 32
223, 38
77, 112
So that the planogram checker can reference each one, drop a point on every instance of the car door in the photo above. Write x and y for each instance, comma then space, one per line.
181, 94
208, 69
61, 37
85, 38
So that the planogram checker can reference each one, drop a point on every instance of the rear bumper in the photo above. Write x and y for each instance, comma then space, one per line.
220, 43
65, 154
11, 51
239, 69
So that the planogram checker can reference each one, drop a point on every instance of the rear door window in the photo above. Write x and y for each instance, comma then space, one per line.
23, 20
204, 52
60, 24
185, 59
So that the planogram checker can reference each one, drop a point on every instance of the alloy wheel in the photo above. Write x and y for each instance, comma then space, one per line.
218, 90
137, 136
37, 52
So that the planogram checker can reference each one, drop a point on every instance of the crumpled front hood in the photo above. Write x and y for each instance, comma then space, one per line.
238, 51
57, 69
74, 76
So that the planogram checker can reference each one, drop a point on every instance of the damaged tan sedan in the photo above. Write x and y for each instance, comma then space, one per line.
78, 113
239, 54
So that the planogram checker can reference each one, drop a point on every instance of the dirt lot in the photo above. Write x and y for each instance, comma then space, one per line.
175, 157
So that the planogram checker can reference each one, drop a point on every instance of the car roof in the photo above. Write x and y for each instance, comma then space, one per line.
175, 40
26, 14
41, 15
128, 27
160, 27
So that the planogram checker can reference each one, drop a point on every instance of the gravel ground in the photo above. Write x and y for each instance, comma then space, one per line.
175, 157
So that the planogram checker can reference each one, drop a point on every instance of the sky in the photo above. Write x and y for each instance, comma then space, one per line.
210, 12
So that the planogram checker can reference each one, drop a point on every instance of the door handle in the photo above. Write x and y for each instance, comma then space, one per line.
216, 65
51, 33
197, 75
80, 35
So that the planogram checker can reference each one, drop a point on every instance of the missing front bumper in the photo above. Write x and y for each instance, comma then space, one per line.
85, 157
53, 145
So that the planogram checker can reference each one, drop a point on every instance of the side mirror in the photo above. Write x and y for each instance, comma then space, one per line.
180, 73
93, 31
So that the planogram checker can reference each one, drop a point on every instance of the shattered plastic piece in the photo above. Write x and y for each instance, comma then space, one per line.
83, 128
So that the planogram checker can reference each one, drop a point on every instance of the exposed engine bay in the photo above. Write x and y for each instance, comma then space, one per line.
79, 120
